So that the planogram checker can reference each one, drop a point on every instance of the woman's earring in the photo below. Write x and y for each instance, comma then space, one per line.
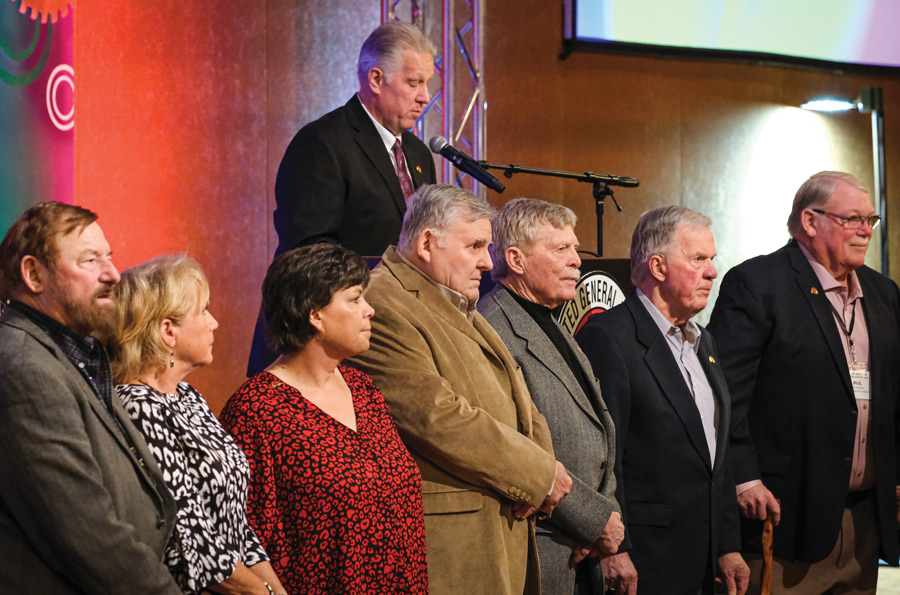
172, 361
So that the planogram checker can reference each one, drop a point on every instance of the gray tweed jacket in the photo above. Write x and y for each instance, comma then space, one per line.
583, 439
82, 508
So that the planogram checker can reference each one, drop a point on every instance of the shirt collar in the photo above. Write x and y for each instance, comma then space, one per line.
459, 301
690, 329
828, 282
387, 137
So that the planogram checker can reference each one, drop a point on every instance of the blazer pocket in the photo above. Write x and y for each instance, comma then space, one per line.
653, 515
451, 501
774, 464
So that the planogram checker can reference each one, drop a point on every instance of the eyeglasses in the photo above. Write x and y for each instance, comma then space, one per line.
854, 222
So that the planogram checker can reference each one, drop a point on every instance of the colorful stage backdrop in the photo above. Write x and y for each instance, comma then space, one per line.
37, 110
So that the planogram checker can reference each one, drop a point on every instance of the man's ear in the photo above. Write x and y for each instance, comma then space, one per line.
808, 222
34, 273
425, 245
515, 260
657, 267
376, 79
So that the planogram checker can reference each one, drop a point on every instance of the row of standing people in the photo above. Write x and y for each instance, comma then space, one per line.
337, 499
669, 389
70, 448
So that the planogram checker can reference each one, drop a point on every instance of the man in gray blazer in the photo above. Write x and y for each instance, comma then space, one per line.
536, 263
83, 507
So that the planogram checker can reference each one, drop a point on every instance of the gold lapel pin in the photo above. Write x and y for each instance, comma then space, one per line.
814, 291
712, 360
419, 169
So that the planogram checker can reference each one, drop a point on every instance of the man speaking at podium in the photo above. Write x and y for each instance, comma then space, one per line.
345, 177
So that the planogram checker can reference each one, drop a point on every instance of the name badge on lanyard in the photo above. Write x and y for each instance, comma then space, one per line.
859, 378
859, 375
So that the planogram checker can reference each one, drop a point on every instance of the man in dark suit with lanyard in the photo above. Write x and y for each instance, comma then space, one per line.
810, 344
345, 177
666, 393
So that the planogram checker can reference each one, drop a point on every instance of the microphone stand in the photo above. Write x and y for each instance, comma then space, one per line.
601, 186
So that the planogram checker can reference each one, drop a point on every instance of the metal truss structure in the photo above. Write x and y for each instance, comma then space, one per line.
458, 105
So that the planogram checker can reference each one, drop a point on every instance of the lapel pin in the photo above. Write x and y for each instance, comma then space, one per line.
712, 360
419, 169
814, 291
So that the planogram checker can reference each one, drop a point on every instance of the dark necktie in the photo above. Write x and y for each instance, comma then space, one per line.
405, 183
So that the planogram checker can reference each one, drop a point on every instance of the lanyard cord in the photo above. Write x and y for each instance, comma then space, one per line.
847, 333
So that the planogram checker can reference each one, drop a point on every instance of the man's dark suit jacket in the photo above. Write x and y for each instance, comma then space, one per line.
82, 509
679, 509
794, 417
336, 183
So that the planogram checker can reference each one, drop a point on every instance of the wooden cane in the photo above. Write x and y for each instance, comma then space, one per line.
767, 545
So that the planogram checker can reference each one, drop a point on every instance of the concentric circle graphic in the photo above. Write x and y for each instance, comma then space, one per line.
62, 74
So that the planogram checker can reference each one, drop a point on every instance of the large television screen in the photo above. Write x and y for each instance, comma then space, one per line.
826, 33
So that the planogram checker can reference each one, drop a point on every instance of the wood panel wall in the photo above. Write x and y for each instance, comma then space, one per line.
184, 109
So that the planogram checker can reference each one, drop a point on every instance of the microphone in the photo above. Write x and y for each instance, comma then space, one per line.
464, 163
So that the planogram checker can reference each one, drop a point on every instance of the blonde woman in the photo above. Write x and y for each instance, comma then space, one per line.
165, 332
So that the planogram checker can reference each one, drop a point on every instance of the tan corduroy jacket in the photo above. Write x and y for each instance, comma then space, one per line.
463, 410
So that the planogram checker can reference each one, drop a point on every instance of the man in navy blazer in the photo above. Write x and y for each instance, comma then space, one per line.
661, 380
810, 345
341, 179
83, 506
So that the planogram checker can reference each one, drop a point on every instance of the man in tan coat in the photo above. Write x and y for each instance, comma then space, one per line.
458, 401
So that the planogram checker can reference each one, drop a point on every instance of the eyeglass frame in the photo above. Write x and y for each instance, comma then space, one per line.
872, 220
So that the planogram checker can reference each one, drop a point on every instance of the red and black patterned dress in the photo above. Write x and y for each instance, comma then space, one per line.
337, 511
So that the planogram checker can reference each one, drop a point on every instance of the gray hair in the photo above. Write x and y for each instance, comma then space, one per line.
517, 225
655, 234
385, 46
437, 207
815, 192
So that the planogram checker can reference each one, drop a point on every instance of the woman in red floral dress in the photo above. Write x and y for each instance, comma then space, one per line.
334, 496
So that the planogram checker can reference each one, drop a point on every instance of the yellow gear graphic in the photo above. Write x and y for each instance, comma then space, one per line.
45, 8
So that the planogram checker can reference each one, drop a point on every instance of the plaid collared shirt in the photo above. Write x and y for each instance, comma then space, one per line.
87, 354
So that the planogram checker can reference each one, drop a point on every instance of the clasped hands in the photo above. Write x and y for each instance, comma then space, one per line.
606, 545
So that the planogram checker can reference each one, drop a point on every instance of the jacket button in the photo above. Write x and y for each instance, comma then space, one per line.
160, 523
847, 461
